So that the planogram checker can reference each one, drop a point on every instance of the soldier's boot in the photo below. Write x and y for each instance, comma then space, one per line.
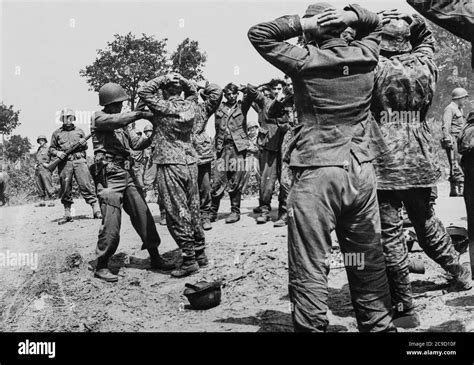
103, 272
282, 221
234, 215
264, 217
214, 209
96, 211
67, 216
188, 267
406, 319
201, 258
159, 263
257, 210
461, 277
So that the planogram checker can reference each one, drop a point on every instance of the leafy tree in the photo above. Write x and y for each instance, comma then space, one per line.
17, 147
127, 60
189, 60
9, 119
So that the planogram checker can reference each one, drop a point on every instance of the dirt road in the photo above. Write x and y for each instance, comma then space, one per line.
60, 294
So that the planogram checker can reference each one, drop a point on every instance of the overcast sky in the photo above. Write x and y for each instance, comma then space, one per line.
44, 44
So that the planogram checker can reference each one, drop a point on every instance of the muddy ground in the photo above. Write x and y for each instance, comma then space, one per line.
62, 295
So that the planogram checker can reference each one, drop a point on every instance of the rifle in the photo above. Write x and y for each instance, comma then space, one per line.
53, 164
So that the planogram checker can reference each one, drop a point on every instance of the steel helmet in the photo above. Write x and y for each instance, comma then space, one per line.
396, 36
203, 295
148, 128
112, 93
67, 112
41, 137
459, 93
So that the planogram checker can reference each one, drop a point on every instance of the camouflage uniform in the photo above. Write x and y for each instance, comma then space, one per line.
203, 145
116, 183
75, 165
44, 179
176, 161
139, 169
404, 89
453, 123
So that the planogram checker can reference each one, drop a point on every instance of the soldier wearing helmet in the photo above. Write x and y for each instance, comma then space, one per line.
113, 141
405, 84
73, 165
453, 123
44, 179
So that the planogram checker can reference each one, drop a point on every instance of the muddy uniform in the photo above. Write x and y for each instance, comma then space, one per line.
75, 165
270, 139
44, 179
453, 123
456, 16
335, 185
231, 142
203, 145
116, 183
404, 89
176, 160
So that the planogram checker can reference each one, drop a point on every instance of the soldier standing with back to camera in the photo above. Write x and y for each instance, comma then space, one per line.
44, 179
331, 153
73, 165
116, 182
405, 84
176, 160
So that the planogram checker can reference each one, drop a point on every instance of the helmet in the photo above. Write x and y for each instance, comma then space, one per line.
316, 9
67, 112
112, 93
41, 137
459, 237
396, 36
459, 93
148, 128
203, 295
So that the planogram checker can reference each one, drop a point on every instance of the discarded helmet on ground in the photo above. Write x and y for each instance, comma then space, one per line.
203, 295
41, 137
459, 93
459, 237
112, 93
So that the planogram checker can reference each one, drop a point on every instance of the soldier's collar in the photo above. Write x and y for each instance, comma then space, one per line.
334, 42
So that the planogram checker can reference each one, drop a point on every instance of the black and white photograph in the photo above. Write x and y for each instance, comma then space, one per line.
293, 174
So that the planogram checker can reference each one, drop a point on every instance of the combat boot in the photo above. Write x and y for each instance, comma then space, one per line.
263, 218
188, 267
106, 275
67, 216
282, 221
407, 320
201, 258
232, 218
96, 211
257, 210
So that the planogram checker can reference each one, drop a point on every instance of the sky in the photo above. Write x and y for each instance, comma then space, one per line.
44, 44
